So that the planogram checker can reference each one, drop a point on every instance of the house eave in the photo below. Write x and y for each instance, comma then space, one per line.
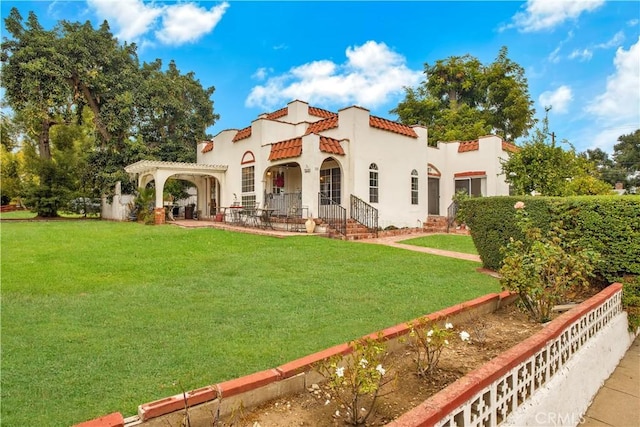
151, 166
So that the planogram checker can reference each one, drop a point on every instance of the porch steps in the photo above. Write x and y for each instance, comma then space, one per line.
438, 224
435, 224
355, 231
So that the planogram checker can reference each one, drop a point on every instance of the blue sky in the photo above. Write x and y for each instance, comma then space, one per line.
581, 57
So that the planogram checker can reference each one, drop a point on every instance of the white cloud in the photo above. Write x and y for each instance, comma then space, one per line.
621, 100
554, 57
132, 17
547, 14
261, 73
371, 73
559, 99
606, 138
587, 53
181, 23
633, 22
617, 110
582, 55
613, 42
186, 22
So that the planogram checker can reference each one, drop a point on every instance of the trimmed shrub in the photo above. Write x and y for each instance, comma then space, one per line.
609, 225
492, 223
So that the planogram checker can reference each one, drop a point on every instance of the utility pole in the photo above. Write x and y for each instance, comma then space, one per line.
546, 118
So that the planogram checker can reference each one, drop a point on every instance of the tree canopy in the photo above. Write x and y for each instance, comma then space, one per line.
626, 155
624, 165
462, 98
77, 75
542, 167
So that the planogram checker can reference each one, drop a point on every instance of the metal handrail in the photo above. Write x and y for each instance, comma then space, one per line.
284, 204
332, 213
364, 213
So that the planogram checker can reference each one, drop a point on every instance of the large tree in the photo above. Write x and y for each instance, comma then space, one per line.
624, 165
173, 111
462, 99
103, 75
53, 76
33, 79
626, 155
609, 172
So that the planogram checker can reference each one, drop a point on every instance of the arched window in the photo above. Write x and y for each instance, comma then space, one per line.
248, 180
414, 187
373, 183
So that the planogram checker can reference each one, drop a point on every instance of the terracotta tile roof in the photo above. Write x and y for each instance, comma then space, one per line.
508, 146
286, 149
319, 112
242, 134
470, 173
468, 146
208, 147
330, 145
322, 125
279, 113
384, 124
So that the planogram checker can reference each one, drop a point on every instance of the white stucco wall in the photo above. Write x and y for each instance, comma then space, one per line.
446, 158
118, 209
396, 156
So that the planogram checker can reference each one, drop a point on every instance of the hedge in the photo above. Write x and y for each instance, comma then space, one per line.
607, 224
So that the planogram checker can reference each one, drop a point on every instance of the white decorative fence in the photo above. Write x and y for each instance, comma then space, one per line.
550, 377
492, 405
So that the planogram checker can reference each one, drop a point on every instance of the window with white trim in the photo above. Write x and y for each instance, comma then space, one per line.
248, 187
414, 187
471, 186
373, 183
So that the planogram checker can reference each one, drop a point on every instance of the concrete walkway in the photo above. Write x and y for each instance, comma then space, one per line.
617, 403
394, 241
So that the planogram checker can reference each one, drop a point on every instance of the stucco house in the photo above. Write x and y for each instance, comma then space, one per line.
306, 161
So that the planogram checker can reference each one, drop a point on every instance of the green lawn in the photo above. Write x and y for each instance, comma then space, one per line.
17, 215
448, 242
102, 316
30, 215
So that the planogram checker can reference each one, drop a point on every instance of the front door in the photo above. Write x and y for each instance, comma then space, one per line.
434, 196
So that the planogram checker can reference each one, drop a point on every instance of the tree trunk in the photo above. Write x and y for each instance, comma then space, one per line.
453, 99
95, 108
43, 142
